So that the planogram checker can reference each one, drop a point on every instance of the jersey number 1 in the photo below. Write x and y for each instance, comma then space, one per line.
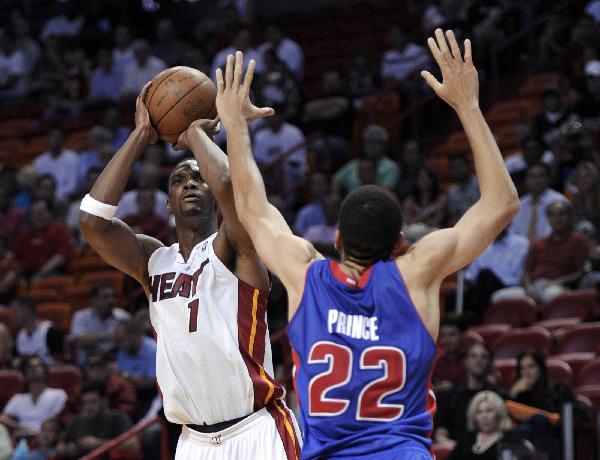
369, 405
193, 306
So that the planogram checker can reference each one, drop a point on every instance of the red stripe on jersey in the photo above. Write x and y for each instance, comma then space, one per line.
343, 277
286, 430
252, 327
296, 361
430, 402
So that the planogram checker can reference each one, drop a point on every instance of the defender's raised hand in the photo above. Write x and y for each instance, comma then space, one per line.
460, 86
233, 95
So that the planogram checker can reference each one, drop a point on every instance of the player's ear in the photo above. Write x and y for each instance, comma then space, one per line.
338, 243
169, 205
400, 246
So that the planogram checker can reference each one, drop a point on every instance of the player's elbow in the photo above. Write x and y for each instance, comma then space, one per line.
512, 205
90, 224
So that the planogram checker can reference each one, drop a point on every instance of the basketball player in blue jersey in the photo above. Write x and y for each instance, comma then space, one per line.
363, 331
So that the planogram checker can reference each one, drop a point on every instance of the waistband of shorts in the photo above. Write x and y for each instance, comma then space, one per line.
217, 426
244, 424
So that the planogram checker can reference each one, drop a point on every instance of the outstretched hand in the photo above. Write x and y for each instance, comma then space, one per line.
142, 117
210, 127
460, 86
233, 95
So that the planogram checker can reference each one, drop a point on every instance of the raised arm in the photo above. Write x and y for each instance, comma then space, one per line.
114, 240
286, 255
445, 251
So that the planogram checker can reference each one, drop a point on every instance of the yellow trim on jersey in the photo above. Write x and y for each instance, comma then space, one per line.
271, 386
287, 425
253, 330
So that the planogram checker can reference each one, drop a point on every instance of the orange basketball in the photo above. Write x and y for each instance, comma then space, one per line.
178, 96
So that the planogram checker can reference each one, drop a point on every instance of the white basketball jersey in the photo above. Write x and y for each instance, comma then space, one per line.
213, 360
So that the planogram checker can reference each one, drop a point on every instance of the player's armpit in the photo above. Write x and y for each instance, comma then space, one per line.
119, 246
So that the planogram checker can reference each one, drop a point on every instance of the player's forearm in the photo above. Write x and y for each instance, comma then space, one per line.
213, 163
111, 183
248, 186
496, 186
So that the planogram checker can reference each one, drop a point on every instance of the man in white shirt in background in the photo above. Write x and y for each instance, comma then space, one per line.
286, 49
403, 58
13, 67
143, 68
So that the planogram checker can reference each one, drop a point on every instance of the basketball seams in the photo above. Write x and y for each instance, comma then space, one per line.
214, 106
177, 103
159, 83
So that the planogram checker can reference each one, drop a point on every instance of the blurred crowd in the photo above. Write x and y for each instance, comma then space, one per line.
87, 62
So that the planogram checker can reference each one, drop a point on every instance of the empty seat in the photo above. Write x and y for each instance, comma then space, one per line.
518, 340
11, 383
516, 312
557, 324
577, 361
572, 304
585, 337
589, 374
78, 296
592, 393
490, 332
112, 277
441, 451
68, 378
58, 282
559, 371
507, 368
86, 264
43, 295
57, 312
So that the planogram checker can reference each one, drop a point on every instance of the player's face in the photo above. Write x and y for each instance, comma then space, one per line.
486, 418
189, 195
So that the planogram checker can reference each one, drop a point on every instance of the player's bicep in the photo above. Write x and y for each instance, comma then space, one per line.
118, 245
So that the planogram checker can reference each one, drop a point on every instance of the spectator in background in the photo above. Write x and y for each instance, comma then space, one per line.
95, 425
13, 67
6, 444
464, 191
10, 273
241, 41
323, 235
312, 213
25, 179
403, 59
586, 200
286, 49
374, 144
11, 217
533, 150
36, 337
532, 220
451, 418
146, 220
43, 248
449, 367
67, 24
25, 412
490, 432
25, 42
92, 327
410, 162
45, 445
45, 189
588, 102
361, 82
62, 163
119, 391
123, 51
106, 80
112, 121
72, 218
93, 157
278, 87
167, 47
427, 203
556, 261
552, 117
275, 139
148, 178
142, 69
499, 267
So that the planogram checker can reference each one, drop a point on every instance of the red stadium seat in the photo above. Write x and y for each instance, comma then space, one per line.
553, 325
11, 383
592, 393
112, 277
43, 295
589, 374
68, 378
441, 451
516, 312
490, 332
59, 283
87, 264
57, 312
585, 337
507, 368
559, 371
518, 340
78, 296
577, 361
572, 304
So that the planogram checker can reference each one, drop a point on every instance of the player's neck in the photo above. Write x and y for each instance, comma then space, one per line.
352, 269
189, 237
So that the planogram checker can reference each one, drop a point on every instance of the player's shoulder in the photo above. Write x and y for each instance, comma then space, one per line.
428, 252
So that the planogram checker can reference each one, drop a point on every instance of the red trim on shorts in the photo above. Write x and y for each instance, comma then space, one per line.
346, 279
265, 388
283, 422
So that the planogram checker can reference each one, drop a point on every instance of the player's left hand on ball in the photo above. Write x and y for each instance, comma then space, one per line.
142, 117
210, 127
233, 95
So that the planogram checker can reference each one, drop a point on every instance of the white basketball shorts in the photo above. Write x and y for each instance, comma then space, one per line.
269, 433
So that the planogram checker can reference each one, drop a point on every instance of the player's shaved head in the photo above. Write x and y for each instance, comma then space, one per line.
370, 224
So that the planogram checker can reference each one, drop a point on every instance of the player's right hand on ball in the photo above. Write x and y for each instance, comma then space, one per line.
460, 83
210, 127
142, 117
233, 95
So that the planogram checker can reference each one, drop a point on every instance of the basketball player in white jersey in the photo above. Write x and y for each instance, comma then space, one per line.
207, 296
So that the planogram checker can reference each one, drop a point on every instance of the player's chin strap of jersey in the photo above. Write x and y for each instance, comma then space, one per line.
96, 208
217, 426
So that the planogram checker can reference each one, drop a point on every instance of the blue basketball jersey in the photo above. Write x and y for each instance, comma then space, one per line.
363, 361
